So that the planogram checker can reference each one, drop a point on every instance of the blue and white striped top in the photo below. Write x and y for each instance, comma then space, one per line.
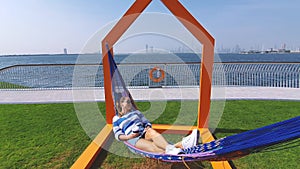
132, 122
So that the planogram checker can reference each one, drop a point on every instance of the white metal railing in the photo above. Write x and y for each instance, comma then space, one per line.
55, 76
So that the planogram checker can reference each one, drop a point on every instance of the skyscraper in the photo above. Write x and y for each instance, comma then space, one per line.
65, 51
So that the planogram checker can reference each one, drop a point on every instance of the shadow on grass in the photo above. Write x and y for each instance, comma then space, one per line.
191, 165
99, 159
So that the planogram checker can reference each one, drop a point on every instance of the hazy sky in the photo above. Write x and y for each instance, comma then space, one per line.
49, 26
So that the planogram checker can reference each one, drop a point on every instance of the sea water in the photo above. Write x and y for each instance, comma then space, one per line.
11, 60
60, 76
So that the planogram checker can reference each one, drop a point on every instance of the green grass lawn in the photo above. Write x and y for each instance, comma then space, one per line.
40, 136
6, 85
50, 135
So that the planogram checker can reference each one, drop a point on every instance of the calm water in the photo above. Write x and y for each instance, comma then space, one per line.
144, 58
286, 75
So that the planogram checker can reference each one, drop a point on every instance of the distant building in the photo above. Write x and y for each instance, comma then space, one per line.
65, 51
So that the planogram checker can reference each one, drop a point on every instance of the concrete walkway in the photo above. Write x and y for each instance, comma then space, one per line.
88, 95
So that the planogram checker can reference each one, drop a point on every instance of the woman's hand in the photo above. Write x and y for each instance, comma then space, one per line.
133, 135
148, 127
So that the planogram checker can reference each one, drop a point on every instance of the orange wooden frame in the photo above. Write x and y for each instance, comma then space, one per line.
192, 25
200, 33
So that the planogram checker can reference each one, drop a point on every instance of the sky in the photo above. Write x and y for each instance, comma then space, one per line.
49, 26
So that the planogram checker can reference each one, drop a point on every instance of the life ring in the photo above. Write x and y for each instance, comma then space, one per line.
159, 79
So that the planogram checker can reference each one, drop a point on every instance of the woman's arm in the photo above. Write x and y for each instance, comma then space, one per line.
124, 137
116, 128
144, 119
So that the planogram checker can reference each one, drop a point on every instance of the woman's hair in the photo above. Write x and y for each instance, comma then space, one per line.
119, 108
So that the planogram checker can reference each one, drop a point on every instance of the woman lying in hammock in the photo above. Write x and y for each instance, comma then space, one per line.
131, 125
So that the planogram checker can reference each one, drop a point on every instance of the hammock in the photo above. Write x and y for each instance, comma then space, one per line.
227, 148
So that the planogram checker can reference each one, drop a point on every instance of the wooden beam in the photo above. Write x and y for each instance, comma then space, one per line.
173, 129
110, 39
202, 35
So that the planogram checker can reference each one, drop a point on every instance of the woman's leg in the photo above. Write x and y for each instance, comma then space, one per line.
179, 145
148, 146
160, 141
157, 138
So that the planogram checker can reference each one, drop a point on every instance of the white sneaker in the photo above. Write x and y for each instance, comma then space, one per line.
171, 149
190, 140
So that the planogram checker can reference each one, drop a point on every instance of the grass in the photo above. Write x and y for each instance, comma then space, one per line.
50, 135
6, 85
40, 136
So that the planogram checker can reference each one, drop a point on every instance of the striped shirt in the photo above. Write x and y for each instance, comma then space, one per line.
132, 122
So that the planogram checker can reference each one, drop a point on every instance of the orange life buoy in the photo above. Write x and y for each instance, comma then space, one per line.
159, 79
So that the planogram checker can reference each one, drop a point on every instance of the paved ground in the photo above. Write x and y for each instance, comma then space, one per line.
87, 95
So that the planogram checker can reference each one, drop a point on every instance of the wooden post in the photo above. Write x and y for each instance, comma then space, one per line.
111, 38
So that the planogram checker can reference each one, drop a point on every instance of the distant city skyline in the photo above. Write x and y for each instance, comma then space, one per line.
50, 26
259, 48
